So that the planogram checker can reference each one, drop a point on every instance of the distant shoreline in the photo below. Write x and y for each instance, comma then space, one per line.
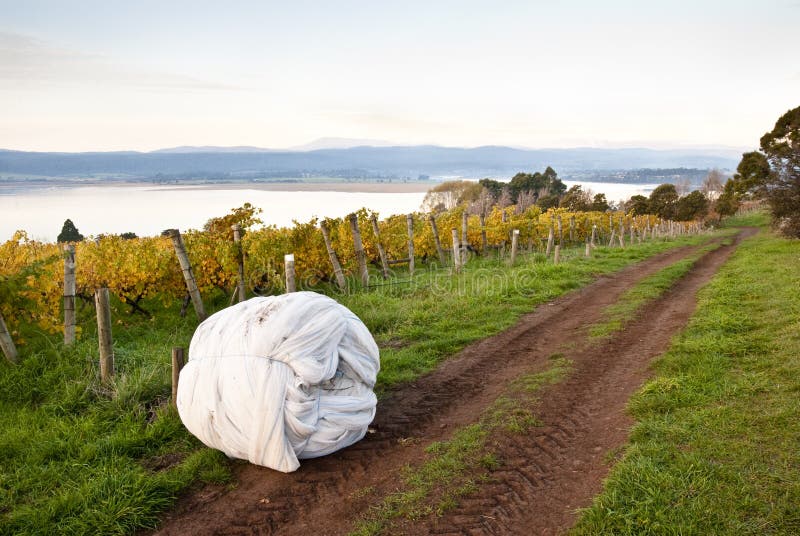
369, 187
352, 187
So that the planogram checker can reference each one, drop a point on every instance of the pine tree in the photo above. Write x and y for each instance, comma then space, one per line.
69, 233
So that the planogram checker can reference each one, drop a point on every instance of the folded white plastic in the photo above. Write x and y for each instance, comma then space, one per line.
281, 378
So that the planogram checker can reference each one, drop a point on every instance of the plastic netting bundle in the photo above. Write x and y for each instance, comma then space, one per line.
281, 378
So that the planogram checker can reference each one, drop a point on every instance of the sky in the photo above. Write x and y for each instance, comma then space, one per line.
119, 75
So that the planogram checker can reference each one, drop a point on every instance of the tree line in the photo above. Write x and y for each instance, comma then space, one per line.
545, 190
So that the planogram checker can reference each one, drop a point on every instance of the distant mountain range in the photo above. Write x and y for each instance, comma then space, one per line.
368, 161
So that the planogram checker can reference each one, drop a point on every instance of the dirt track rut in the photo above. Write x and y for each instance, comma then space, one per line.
544, 477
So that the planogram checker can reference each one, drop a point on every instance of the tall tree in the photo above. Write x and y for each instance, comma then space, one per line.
781, 146
728, 202
638, 204
600, 203
662, 200
751, 175
575, 199
692, 206
451, 194
69, 233
246, 216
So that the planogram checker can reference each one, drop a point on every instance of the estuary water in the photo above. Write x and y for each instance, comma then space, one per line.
147, 210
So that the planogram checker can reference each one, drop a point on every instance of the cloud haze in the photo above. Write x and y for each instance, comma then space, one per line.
153, 74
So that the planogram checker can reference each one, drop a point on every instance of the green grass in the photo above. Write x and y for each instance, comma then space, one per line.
419, 324
715, 450
454, 468
78, 458
646, 290
753, 219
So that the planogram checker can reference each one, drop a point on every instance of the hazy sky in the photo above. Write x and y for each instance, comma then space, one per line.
113, 74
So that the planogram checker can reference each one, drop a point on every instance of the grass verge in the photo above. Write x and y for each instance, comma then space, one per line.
715, 447
78, 458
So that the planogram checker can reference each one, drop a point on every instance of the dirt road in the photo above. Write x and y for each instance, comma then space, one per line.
544, 476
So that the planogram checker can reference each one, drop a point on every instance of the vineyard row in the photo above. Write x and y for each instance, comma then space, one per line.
330, 250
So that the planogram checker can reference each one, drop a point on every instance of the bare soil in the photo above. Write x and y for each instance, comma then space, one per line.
544, 476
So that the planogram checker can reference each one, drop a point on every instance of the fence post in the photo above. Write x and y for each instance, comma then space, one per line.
514, 241
410, 221
484, 239
572, 229
633, 234
439, 250
188, 276
337, 268
177, 365
550, 236
7, 343
594, 235
464, 238
103, 310
381, 251
288, 267
557, 254
560, 231
588, 252
361, 257
621, 233
456, 252
237, 240
69, 294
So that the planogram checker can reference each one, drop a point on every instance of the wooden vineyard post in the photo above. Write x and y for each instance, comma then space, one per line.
621, 234
557, 254
361, 257
177, 365
588, 252
103, 310
514, 241
188, 276
381, 251
633, 236
288, 267
439, 250
237, 240
613, 235
7, 343
410, 220
550, 237
464, 238
572, 229
484, 239
337, 268
594, 236
456, 252
69, 294
560, 231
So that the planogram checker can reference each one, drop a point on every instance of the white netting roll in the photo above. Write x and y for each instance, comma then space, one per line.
281, 378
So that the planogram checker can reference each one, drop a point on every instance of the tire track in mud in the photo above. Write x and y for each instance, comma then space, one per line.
326, 494
547, 476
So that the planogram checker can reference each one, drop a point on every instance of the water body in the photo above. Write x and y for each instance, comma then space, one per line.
148, 210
